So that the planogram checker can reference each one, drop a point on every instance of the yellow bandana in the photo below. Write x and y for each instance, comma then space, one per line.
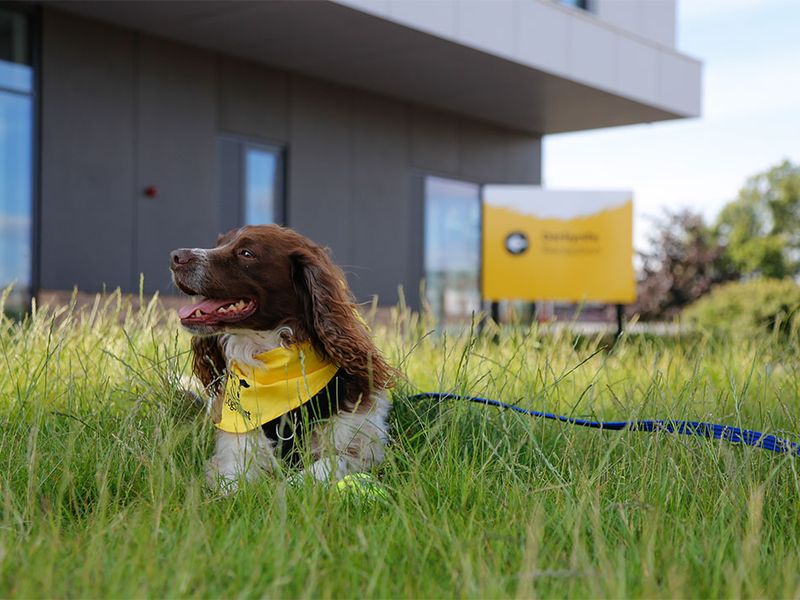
285, 379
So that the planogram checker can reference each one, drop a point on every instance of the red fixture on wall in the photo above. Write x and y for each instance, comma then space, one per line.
151, 191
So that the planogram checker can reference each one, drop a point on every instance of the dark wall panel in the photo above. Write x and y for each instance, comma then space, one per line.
86, 154
379, 233
320, 164
231, 183
524, 159
177, 152
482, 152
415, 269
434, 140
253, 100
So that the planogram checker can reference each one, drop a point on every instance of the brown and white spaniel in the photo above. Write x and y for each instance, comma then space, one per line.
265, 288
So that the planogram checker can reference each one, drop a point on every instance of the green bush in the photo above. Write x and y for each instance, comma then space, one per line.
747, 308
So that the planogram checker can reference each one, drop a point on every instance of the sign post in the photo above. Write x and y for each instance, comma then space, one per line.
557, 245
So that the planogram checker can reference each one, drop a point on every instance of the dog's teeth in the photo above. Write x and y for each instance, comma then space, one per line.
222, 309
197, 313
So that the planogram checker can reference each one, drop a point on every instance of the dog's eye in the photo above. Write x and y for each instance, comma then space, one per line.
246, 253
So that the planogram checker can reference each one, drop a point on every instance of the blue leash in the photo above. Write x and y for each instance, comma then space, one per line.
728, 433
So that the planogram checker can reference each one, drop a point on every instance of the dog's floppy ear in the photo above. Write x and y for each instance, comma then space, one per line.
208, 360
331, 320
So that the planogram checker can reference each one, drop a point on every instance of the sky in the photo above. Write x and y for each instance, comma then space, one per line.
750, 119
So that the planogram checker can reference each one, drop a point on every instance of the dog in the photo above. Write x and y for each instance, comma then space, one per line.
286, 363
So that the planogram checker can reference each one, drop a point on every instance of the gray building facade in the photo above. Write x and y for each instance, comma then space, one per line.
363, 125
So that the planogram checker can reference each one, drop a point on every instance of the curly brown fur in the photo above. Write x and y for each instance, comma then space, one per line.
208, 361
331, 323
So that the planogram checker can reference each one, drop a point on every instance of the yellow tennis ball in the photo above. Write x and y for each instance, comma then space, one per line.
362, 486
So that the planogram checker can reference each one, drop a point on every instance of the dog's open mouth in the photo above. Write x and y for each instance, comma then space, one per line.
212, 312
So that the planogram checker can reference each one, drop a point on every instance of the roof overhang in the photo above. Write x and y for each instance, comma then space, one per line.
356, 47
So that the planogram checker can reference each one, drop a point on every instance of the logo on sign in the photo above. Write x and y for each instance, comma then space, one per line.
516, 242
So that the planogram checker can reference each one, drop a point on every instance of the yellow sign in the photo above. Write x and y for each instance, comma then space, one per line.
557, 245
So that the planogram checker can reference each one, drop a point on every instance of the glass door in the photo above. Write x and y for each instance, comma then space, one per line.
16, 156
251, 183
452, 248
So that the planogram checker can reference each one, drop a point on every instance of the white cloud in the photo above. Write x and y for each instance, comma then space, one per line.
14, 224
752, 88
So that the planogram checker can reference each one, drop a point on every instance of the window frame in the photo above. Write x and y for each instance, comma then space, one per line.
425, 176
585, 5
33, 15
234, 209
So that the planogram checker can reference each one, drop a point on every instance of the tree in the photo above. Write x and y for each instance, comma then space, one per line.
761, 228
685, 260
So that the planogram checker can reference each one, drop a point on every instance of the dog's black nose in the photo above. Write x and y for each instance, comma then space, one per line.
182, 257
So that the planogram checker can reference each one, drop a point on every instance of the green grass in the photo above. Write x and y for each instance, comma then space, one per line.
102, 493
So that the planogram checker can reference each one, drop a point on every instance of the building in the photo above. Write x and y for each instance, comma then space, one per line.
130, 128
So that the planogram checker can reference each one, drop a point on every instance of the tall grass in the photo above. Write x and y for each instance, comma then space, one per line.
102, 494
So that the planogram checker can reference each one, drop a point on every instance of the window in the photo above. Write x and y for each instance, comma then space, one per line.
582, 4
452, 248
251, 183
261, 190
16, 156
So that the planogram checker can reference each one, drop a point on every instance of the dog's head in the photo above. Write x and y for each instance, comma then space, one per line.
266, 277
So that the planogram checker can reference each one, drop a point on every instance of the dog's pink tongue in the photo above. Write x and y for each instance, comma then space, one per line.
206, 307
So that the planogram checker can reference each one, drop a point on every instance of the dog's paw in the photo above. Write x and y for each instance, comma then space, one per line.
219, 484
